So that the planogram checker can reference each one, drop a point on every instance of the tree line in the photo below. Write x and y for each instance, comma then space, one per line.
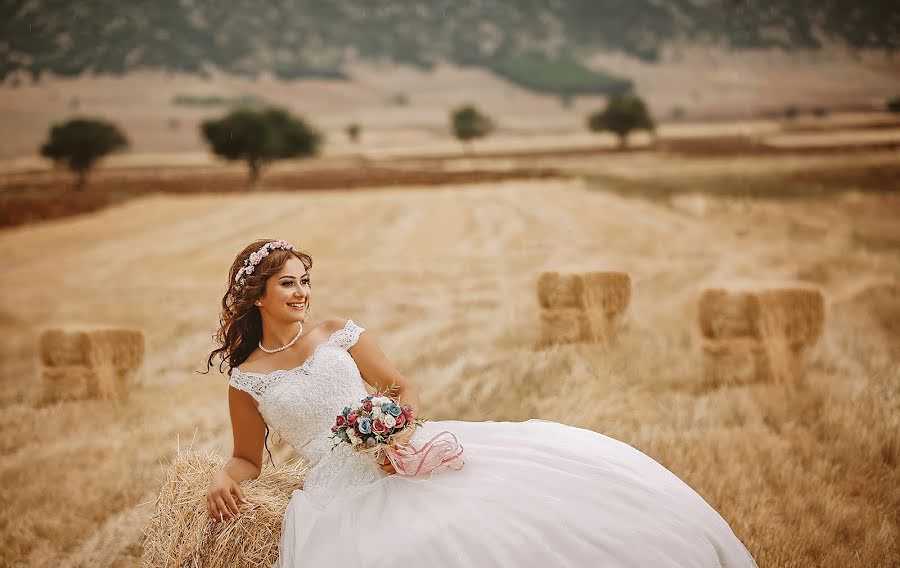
261, 136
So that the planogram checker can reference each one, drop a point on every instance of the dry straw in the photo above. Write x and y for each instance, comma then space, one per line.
581, 306
88, 363
758, 332
181, 534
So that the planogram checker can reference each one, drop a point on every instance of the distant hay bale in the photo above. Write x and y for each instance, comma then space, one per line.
794, 313
84, 363
60, 347
758, 334
581, 306
565, 325
734, 361
181, 534
79, 382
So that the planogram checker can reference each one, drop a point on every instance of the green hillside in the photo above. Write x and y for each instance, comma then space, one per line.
540, 45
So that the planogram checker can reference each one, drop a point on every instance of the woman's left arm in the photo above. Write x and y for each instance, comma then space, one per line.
381, 374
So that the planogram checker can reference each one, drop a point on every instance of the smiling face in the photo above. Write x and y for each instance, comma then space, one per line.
287, 292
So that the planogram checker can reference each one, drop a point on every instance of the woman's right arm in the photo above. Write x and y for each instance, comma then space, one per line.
249, 431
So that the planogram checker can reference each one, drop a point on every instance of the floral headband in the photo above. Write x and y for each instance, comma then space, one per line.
256, 257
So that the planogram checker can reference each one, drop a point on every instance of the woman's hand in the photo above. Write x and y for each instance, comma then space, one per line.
400, 439
221, 498
385, 464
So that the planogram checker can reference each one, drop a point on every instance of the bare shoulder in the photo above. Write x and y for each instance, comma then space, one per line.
332, 325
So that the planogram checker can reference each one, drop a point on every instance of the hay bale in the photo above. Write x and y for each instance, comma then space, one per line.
758, 334
734, 361
564, 325
123, 349
609, 291
794, 313
88, 363
180, 533
581, 306
729, 314
80, 382
59, 348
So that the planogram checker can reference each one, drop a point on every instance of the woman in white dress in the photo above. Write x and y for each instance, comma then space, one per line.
533, 493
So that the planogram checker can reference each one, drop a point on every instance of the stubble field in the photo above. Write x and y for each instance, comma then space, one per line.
443, 277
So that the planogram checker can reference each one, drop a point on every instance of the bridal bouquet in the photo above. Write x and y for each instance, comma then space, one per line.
374, 424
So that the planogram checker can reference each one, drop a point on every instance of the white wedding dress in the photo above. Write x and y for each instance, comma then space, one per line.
533, 493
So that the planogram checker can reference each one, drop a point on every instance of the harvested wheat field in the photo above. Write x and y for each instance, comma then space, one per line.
445, 278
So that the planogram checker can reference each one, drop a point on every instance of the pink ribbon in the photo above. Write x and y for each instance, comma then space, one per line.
438, 453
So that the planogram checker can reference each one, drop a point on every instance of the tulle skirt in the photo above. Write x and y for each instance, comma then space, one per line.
533, 493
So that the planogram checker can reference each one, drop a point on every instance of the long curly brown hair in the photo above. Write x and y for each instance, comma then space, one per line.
240, 323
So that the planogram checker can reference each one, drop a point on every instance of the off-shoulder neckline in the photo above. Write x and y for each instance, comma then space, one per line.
305, 362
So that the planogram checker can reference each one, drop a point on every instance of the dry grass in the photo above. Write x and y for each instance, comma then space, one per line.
444, 278
48, 195
180, 532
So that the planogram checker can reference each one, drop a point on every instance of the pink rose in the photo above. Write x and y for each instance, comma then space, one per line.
367, 406
340, 420
378, 427
401, 421
351, 418
408, 414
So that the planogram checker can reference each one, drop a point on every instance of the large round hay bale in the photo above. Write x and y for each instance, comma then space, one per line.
180, 533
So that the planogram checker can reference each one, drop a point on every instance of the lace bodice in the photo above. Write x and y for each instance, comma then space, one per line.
301, 404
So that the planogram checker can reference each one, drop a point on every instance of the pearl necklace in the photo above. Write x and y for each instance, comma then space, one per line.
283, 347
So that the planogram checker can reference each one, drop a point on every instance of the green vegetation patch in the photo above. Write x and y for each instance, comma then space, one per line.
561, 75
247, 101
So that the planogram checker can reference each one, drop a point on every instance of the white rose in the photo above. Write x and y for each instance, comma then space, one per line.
388, 420
376, 412
354, 439
381, 400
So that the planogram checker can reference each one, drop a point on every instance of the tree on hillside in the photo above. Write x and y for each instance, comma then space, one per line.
353, 131
260, 136
893, 105
468, 124
80, 142
623, 113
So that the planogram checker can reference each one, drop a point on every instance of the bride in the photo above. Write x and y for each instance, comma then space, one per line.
533, 493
